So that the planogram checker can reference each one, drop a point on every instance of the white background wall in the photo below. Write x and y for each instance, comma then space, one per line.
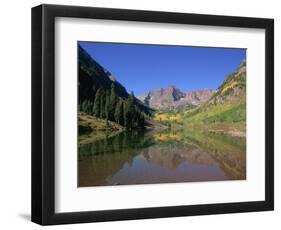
15, 113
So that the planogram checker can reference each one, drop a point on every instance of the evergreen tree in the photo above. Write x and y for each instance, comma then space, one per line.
93, 109
130, 112
142, 121
112, 102
118, 115
102, 104
89, 107
107, 102
136, 118
84, 106
132, 97
127, 117
97, 105
124, 113
121, 116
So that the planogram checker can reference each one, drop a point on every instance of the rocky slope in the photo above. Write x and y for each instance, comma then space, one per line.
226, 106
233, 87
171, 97
92, 76
195, 97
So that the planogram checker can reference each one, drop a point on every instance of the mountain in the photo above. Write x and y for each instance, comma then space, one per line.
162, 98
227, 105
233, 87
93, 76
195, 97
171, 97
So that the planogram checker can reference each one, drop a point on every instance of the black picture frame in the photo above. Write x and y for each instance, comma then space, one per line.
43, 114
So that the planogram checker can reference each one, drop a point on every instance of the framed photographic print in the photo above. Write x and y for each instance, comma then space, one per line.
142, 114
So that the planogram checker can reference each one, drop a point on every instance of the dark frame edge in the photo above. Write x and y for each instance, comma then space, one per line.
36, 114
158, 212
269, 113
43, 122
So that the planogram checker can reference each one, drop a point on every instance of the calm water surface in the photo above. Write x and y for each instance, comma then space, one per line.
161, 157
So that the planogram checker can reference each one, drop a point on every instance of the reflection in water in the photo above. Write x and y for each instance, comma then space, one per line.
164, 157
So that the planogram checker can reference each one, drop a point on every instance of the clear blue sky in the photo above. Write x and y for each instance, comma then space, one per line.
141, 68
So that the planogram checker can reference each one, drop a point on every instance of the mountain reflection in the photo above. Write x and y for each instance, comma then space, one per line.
161, 157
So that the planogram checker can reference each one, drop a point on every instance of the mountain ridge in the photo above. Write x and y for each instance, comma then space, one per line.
172, 97
226, 105
93, 76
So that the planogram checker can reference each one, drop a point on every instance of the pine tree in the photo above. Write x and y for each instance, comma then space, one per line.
84, 106
124, 113
136, 118
93, 110
107, 102
127, 118
102, 104
121, 116
142, 121
130, 112
112, 102
118, 115
132, 97
97, 103
89, 107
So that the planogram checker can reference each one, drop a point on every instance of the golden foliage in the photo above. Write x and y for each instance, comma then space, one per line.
228, 87
168, 137
167, 117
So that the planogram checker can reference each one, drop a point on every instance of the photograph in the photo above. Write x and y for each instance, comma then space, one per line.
172, 113
150, 114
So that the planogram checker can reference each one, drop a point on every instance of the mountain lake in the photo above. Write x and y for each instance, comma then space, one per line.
169, 156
